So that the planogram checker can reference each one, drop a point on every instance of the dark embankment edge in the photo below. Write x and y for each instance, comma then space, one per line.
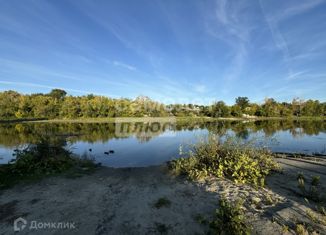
23, 120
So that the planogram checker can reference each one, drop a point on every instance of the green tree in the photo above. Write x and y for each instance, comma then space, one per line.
271, 108
58, 94
220, 109
9, 104
242, 102
236, 111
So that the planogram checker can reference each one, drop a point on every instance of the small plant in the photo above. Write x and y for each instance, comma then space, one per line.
230, 219
285, 228
311, 192
321, 210
201, 219
268, 200
162, 202
301, 181
300, 229
315, 181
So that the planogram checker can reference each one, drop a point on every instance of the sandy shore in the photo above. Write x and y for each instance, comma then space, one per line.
122, 201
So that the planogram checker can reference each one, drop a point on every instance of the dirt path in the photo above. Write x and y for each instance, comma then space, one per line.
122, 201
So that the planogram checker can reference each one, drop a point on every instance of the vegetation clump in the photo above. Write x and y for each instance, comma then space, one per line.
39, 160
233, 159
312, 191
230, 219
162, 202
300, 229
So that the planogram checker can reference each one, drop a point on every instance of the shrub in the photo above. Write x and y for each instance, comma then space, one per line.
233, 159
42, 158
37, 160
230, 219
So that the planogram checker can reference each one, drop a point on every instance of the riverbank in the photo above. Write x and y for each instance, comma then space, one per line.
152, 201
158, 119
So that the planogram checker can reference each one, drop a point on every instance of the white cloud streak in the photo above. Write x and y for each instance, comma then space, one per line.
44, 86
274, 19
123, 65
230, 23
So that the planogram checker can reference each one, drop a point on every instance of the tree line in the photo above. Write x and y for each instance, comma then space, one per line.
57, 104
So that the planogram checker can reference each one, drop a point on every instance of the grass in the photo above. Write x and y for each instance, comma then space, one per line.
315, 218
162, 202
311, 191
285, 229
321, 210
232, 159
300, 229
41, 160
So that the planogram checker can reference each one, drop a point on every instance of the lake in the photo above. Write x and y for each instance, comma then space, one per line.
152, 143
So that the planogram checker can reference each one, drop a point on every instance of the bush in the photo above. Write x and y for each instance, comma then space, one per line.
230, 219
38, 160
233, 159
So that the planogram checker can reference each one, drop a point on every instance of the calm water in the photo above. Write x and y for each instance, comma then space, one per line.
144, 144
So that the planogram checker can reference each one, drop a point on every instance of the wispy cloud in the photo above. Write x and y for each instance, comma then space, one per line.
200, 88
295, 9
124, 65
43, 86
296, 75
231, 24
275, 18
131, 35
32, 69
231, 21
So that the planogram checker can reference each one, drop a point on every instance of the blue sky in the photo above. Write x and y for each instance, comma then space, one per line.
172, 50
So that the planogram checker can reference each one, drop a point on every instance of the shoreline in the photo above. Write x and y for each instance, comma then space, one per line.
157, 119
121, 200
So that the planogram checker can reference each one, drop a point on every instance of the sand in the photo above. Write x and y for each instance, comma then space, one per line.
122, 201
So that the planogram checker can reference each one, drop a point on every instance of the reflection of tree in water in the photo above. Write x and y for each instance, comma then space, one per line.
23, 133
243, 134
144, 132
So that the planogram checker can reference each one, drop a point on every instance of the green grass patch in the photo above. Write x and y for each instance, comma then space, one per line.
233, 159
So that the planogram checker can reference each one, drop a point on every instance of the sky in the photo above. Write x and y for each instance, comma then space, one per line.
173, 51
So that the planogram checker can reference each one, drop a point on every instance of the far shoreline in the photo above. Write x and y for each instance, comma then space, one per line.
156, 119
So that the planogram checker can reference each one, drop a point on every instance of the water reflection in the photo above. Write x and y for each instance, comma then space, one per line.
24, 133
155, 141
